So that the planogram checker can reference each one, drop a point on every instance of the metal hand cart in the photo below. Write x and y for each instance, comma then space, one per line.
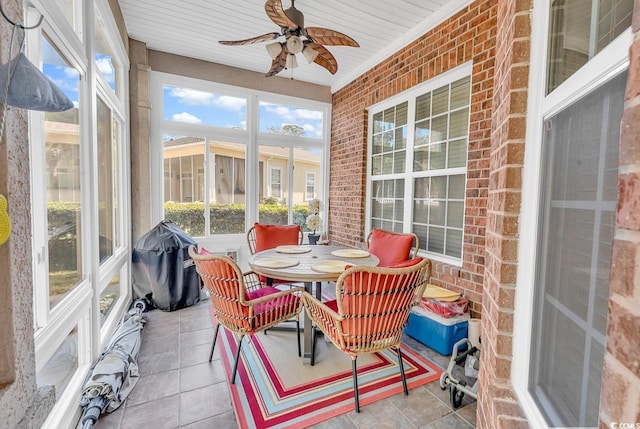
457, 387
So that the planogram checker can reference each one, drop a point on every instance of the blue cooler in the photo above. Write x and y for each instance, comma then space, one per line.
435, 331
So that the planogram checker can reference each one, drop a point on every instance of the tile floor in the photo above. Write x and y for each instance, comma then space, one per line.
179, 388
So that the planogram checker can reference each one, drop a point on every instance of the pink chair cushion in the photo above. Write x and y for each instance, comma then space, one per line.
270, 236
269, 306
390, 248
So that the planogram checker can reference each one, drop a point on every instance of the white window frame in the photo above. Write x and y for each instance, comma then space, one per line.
460, 72
310, 175
250, 136
81, 305
273, 183
603, 66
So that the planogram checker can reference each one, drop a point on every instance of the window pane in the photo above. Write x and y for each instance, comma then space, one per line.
61, 366
106, 60
109, 298
105, 181
378, 127
440, 101
457, 154
575, 256
570, 34
439, 128
459, 123
198, 107
423, 133
436, 240
291, 121
460, 91
71, 11
62, 147
184, 185
227, 187
454, 243
437, 156
423, 106
456, 186
455, 213
401, 114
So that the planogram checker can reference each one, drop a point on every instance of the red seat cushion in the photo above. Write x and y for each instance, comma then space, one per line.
390, 248
270, 236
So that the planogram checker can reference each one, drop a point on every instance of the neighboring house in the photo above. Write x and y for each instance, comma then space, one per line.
184, 172
505, 135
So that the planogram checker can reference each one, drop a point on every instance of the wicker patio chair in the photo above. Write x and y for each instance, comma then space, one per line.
242, 303
370, 312
273, 236
392, 247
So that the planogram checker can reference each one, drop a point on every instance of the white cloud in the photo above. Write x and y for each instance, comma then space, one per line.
201, 98
106, 68
70, 72
229, 103
186, 117
65, 85
293, 115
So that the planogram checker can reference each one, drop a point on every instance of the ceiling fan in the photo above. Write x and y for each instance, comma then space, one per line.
297, 39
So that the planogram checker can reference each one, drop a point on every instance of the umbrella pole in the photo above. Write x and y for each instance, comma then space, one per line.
92, 411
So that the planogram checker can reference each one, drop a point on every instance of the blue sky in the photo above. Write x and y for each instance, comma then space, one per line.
198, 107
188, 105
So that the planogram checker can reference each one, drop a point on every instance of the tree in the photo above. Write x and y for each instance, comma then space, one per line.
288, 130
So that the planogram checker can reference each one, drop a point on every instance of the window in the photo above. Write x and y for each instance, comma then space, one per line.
106, 60
576, 37
232, 156
80, 218
63, 193
275, 182
418, 164
310, 190
576, 230
566, 231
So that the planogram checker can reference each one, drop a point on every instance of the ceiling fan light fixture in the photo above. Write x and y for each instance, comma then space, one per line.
274, 49
310, 54
291, 63
294, 45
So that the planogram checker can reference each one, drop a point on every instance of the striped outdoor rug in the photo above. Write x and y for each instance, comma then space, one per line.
274, 389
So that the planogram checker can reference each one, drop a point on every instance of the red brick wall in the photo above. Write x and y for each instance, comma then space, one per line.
467, 36
620, 394
497, 404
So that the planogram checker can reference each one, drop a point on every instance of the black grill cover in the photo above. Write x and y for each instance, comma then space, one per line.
163, 272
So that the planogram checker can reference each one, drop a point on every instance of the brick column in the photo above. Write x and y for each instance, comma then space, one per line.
497, 404
620, 394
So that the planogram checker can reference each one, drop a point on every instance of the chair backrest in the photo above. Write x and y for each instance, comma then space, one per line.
224, 280
375, 302
263, 236
392, 247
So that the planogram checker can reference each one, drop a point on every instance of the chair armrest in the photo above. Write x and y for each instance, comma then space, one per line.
252, 281
323, 317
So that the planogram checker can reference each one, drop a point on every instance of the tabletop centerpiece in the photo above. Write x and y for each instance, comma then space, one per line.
313, 221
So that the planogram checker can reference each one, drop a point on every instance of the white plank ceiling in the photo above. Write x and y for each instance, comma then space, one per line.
193, 28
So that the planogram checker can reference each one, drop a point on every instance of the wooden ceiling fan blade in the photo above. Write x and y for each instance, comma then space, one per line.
325, 58
325, 36
257, 39
275, 12
278, 63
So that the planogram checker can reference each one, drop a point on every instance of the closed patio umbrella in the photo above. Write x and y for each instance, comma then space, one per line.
115, 372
